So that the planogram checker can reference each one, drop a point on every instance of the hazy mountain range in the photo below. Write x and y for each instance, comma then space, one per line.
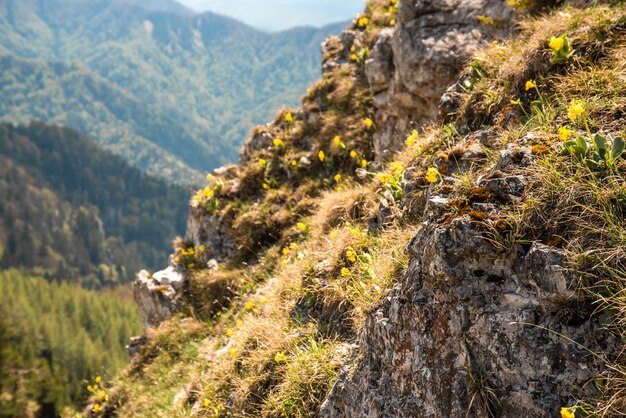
173, 92
277, 15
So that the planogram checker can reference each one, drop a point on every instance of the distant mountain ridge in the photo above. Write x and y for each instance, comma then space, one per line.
198, 82
73, 212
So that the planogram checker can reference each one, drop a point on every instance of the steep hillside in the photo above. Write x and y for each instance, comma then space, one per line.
53, 338
76, 213
437, 232
172, 92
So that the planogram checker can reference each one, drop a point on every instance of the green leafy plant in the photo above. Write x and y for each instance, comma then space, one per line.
599, 156
561, 49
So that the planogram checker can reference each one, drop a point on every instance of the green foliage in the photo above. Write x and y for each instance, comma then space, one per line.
80, 213
55, 336
598, 156
561, 49
173, 94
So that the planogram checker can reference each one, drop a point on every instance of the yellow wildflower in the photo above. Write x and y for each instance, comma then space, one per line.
206, 403
565, 133
285, 251
530, 84
280, 358
575, 109
239, 322
262, 163
98, 379
89, 388
337, 178
289, 117
208, 192
249, 305
96, 408
229, 332
209, 177
294, 163
266, 186
278, 143
433, 175
516, 102
369, 123
364, 163
353, 57
202, 248
410, 141
567, 413
392, 22
101, 394
351, 254
177, 259
293, 246
301, 226
337, 140
353, 154
233, 352
333, 234
390, 9
321, 156
556, 43
353, 48
345, 272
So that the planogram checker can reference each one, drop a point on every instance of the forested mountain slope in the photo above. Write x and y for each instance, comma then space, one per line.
172, 92
76, 213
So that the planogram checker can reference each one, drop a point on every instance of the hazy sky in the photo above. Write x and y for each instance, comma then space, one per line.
281, 14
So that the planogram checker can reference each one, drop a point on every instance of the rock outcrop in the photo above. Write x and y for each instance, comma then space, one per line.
457, 318
158, 295
412, 66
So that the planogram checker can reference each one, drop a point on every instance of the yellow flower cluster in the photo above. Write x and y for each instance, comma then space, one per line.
362, 21
278, 143
576, 109
345, 272
411, 139
280, 358
321, 156
565, 134
369, 123
289, 117
530, 84
556, 44
351, 254
568, 413
432, 176
100, 393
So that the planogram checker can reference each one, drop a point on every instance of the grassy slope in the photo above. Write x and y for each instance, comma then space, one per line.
274, 347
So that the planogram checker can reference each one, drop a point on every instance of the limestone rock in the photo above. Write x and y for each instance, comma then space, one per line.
412, 67
211, 232
157, 296
457, 313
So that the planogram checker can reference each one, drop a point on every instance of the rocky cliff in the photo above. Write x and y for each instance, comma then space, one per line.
418, 240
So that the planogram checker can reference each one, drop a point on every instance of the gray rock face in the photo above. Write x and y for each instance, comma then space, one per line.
158, 295
212, 232
455, 315
411, 67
